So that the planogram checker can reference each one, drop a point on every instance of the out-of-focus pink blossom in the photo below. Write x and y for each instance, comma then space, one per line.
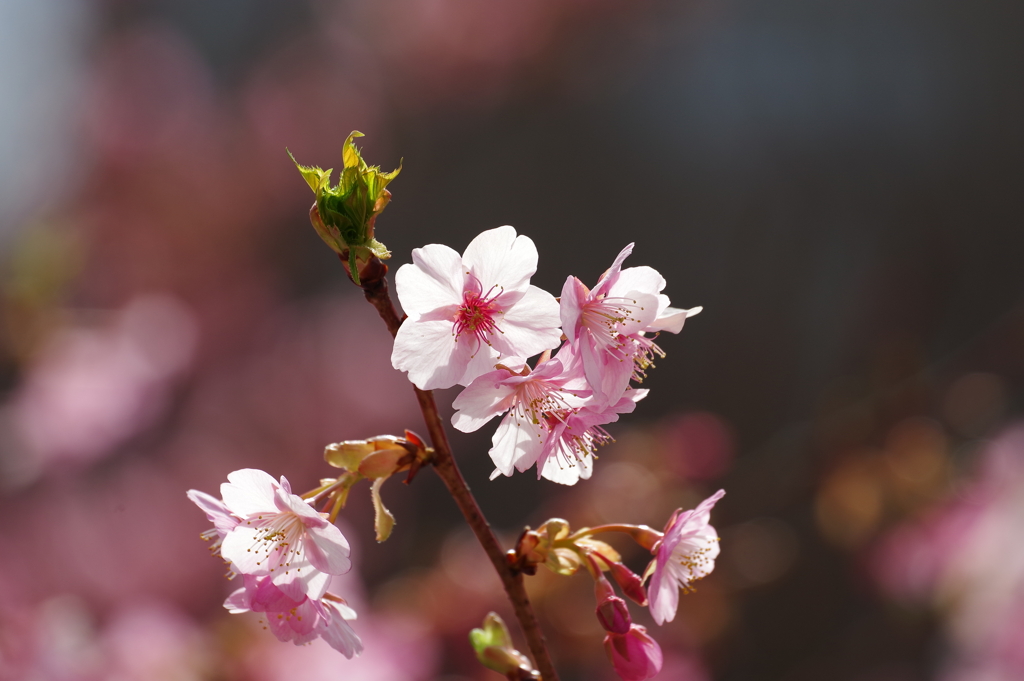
280, 535
104, 384
469, 312
686, 553
299, 620
609, 324
635, 655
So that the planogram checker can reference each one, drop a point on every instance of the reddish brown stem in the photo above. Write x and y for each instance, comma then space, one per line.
444, 464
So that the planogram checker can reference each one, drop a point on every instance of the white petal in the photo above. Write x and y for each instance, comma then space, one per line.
644, 279
428, 351
556, 470
671, 319
530, 326
481, 401
498, 257
249, 492
433, 280
238, 549
515, 445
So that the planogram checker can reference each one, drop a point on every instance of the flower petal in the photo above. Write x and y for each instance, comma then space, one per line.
338, 633
327, 549
249, 492
433, 280
497, 257
530, 326
671, 319
482, 400
427, 351
515, 445
643, 278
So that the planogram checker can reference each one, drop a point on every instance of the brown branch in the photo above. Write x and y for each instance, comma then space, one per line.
376, 291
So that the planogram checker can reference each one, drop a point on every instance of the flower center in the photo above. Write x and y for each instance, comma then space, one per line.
279, 539
539, 402
477, 316
576, 443
604, 319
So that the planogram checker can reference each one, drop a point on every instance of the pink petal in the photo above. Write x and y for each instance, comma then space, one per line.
432, 281
485, 398
609, 278
574, 294
337, 632
302, 581
328, 550
499, 258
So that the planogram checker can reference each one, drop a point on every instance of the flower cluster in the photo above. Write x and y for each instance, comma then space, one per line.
474, 320
286, 553
684, 553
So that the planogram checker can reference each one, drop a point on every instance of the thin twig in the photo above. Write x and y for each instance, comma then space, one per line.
444, 463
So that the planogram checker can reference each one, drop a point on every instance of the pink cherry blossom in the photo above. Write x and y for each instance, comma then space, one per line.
685, 554
218, 514
280, 534
635, 655
468, 313
550, 420
609, 324
299, 620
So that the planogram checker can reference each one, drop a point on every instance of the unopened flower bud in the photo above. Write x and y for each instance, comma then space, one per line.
635, 655
344, 215
612, 612
629, 582
494, 649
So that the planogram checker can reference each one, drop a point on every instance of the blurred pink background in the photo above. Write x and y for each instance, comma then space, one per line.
837, 184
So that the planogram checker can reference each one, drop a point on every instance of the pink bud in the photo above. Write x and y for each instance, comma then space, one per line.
629, 582
612, 612
635, 655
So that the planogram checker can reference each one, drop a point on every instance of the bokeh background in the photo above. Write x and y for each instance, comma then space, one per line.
839, 184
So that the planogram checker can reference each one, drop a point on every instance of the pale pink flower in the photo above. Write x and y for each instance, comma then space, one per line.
468, 313
281, 535
299, 620
685, 554
609, 324
218, 514
635, 655
550, 420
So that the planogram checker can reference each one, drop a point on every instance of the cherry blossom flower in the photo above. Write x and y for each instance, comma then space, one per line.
635, 655
280, 534
469, 312
550, 421
218, 514
685, 554
299, 620
609, 324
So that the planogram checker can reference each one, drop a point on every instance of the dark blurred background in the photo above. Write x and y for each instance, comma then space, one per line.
839, 184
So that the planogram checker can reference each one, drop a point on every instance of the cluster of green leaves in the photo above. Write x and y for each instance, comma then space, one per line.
344, 214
